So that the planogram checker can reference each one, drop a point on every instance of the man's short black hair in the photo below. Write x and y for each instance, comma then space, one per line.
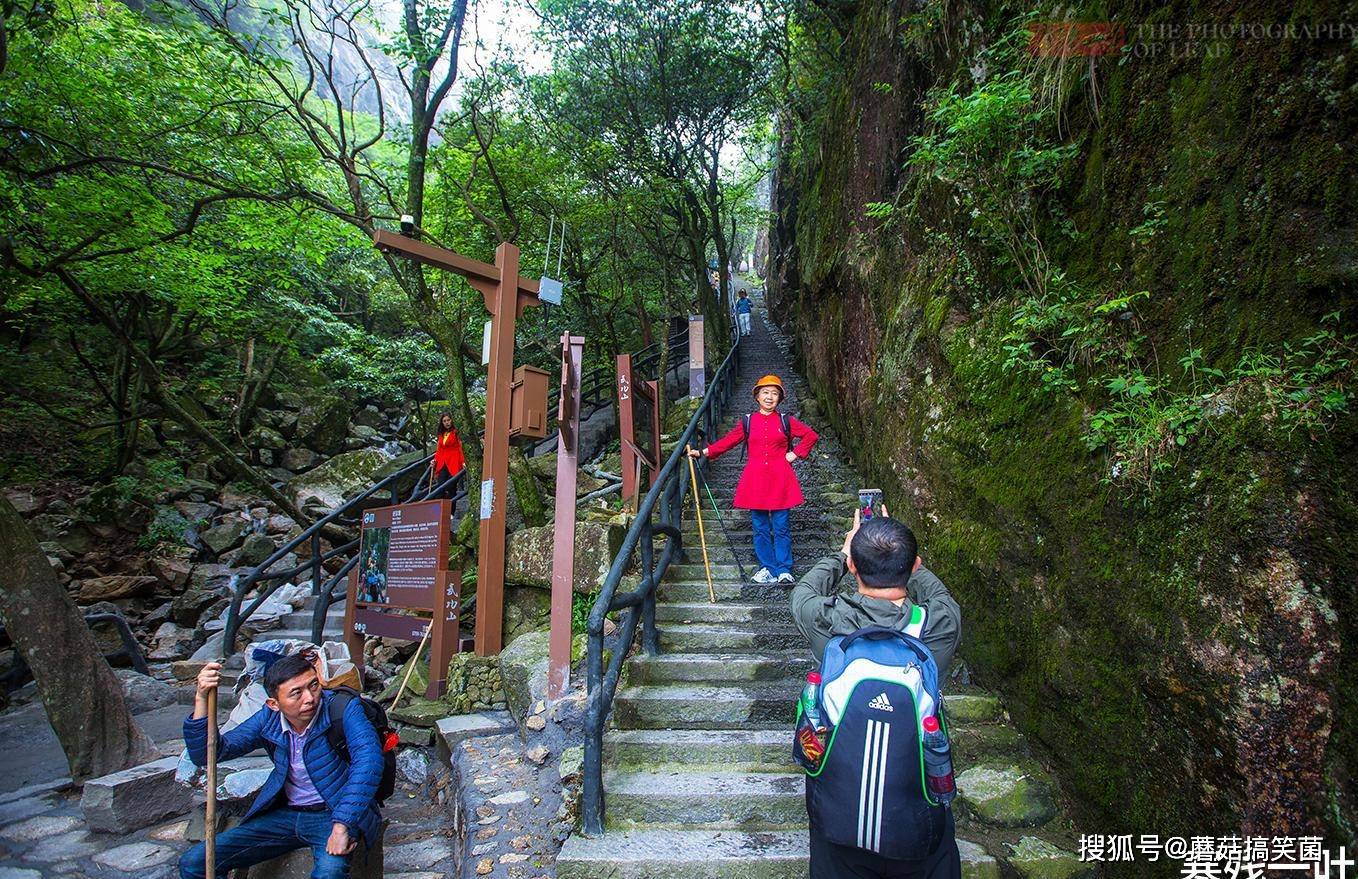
883, 552
284, 670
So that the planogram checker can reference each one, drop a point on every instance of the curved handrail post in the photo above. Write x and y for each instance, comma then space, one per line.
666, 494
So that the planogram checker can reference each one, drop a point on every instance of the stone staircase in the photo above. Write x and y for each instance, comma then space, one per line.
699, 782
298, 623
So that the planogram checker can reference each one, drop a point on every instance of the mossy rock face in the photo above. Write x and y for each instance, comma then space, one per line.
341, 477
1127, 622
1007, 796
528, 555
1035, 858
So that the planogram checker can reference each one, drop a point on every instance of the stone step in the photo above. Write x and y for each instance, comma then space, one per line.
695, 591
693, 572
737, 750
705, 800
684, 638
695, 706
735, 854
685, 854
334, 620
723, 612
719, 668
298, 634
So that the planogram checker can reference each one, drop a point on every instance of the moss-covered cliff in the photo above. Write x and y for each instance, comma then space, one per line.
1089, 320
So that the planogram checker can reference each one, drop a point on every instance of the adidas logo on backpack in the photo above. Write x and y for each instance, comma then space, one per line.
881, 703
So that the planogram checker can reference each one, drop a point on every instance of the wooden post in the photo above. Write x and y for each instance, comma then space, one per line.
446, 633
490, 565
563, 531
627, 432
506, 295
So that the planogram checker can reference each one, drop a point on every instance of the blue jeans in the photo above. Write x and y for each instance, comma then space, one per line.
266, 836
772, 540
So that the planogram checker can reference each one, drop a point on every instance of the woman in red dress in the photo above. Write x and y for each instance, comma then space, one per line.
768, 487
448, 453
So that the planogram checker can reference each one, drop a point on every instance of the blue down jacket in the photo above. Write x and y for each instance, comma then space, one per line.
349, 789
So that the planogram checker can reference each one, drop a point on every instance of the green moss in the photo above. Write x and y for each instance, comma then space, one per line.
1091, 602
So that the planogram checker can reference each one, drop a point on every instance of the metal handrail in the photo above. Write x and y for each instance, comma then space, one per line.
322, 587
668, 494
235, 615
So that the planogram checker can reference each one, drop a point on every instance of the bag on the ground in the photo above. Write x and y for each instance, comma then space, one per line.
869, 790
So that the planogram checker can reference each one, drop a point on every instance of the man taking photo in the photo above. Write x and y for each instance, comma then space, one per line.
892, 590
315, 797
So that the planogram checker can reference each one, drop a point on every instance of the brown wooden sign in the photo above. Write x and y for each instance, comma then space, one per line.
638, 430
402, 575
506, 295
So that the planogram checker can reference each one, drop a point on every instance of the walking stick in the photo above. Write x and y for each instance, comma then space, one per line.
702, 536
413, 660
721, 520
210, 823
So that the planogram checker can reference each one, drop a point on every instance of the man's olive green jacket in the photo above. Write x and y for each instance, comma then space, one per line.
821, 611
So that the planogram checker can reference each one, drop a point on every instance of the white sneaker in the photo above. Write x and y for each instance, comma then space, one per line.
762, 576
785, 577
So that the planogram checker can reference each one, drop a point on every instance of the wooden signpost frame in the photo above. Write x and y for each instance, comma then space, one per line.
440, 610
633, 455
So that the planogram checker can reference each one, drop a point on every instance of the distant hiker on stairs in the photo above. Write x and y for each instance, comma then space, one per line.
768, 486
743, 308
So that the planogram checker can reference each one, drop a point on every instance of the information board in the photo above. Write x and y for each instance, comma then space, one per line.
401, 586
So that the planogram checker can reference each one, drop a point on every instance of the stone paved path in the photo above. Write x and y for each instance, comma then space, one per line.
43, 835
699, 780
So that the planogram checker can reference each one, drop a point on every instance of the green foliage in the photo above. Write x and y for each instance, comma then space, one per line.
581, 605
389, 371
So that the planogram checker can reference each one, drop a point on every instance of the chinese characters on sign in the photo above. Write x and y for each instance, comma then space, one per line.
401, 586
1223, 857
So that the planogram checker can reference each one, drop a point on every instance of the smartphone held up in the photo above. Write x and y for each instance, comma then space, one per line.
870, 503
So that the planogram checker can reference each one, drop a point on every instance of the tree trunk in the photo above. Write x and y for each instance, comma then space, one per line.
83, 698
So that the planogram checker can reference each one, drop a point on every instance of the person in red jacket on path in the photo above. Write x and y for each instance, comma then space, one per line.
768, 487
448, 454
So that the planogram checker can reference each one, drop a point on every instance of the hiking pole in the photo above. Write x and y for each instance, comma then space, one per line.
721, 520
413, 661
702, 536
210, 814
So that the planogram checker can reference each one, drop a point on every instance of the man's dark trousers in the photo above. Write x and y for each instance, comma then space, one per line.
830, 861
268, 835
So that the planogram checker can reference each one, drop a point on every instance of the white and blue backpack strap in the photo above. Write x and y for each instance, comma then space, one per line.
913, 625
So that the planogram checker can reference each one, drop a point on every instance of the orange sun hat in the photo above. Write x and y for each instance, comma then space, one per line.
770, 381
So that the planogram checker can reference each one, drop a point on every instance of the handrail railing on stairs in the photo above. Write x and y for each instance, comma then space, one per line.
596, 392
667, 496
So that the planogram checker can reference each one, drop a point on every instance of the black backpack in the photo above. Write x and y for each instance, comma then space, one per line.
386, 736
745, 425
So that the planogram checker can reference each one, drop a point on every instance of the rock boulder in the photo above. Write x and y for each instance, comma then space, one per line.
341, 477
323, 423
528, 555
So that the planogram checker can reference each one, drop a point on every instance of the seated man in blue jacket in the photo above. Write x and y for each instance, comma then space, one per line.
313, 797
